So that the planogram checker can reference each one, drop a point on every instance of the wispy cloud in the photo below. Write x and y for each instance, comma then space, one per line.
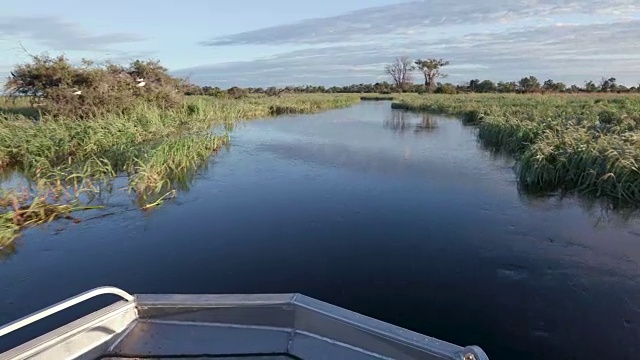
568, 52
122, 57
57, 34
418, 17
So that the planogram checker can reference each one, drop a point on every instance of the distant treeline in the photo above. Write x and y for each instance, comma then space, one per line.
525, 85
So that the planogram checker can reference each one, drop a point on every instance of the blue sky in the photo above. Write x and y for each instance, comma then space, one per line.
282, 42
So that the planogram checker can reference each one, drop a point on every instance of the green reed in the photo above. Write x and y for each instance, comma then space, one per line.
160, 151
582, 143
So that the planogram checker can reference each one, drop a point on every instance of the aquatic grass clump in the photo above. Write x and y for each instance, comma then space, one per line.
378, 97
160, 150
581, 143
61, 140
312, 105
173, 163
507, 134
578, 161
22, 209
154, 175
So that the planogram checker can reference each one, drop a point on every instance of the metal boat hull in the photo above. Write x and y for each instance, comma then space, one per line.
263, 327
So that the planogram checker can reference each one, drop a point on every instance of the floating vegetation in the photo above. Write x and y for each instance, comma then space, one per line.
588, 144
22, 209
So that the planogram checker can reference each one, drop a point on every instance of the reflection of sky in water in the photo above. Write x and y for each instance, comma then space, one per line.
400, 144
13, 180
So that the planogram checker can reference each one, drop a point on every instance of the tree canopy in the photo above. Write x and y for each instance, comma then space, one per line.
60, 88
430, 69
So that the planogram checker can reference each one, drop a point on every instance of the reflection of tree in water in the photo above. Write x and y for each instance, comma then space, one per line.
397, 122
428, 124
400, 122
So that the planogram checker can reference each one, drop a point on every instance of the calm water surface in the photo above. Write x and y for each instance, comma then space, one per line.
400, 216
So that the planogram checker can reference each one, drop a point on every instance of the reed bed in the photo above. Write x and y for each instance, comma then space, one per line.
68, 161
377, 97
579, 143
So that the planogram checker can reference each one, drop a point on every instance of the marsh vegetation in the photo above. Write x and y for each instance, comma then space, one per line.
70, 131
586, 144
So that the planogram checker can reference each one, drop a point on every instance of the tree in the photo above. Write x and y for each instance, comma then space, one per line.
382, 88
551, 85
61, 89
529, 84
607, 85
473, 85
430, 68
446, 89
574, 88
400, 72
622, 89
237, 92
212, 91
486, 86
507, 87
590, 86
273, 91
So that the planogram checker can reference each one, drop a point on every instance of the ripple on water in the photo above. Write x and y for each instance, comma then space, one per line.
513, 272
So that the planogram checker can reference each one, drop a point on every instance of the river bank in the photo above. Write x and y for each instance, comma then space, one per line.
587, 144
67, 161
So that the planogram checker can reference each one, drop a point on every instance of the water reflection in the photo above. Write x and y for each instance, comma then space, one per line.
403, 121
600, 211
9, 250
428, 124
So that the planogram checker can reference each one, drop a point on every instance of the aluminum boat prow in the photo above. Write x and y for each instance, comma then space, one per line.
264, 327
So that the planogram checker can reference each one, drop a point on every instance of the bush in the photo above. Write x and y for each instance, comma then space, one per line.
446, 89
274, 91
237, 93
60, 89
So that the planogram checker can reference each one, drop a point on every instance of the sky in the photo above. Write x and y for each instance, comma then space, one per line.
334, 42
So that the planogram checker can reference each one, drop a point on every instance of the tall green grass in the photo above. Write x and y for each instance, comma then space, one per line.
24, 142
159, 150
578, 143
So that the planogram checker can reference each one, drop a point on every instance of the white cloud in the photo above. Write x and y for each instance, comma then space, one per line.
410, 18
569, 40
59, 35
571, 53
52, 33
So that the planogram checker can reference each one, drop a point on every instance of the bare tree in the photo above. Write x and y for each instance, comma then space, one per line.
430, 68
400, 72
